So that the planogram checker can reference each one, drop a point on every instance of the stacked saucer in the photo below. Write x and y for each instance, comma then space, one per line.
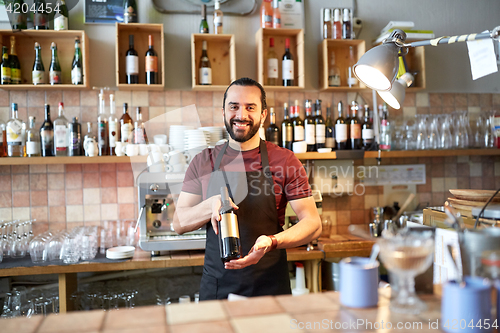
215, 134
176, 136
120, 252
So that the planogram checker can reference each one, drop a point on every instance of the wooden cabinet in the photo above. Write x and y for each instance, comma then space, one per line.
415, 60
65, 41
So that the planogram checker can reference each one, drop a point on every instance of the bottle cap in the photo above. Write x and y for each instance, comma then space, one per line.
328, 15
61, 104
217, 5
75, 119
203, 10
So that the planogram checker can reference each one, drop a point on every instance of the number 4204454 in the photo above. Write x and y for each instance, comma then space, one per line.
24, 8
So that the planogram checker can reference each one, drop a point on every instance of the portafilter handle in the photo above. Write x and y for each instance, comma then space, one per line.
139, 218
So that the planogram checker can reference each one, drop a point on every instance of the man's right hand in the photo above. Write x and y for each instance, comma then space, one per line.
216, 205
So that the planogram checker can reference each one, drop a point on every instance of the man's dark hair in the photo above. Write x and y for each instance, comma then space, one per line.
248, 82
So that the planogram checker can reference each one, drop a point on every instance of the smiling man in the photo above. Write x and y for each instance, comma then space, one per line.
262, 179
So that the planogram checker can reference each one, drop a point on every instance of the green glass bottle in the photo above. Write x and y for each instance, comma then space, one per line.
61, 17
204, 23
55, 68
15, 65
38, 73
129, 11
5, 67
40, 16
19, 17
76, 67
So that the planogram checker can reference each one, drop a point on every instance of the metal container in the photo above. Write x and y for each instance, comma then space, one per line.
473, 242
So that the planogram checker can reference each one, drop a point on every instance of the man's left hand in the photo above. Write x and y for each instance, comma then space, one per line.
261, 246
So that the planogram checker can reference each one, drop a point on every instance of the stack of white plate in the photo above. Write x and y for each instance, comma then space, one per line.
120, 252
196, 139
215, 134
176, 136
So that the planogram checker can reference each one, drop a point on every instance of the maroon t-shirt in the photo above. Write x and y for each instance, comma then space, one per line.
289, 176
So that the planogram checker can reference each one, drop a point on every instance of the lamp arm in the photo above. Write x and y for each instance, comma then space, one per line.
494, 34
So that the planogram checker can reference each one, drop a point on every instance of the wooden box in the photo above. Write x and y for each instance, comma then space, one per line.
221, 52
341, 49
141, 45
296, 37
415, 59
65, 41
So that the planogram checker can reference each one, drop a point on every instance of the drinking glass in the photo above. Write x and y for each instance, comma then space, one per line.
479, 132
446, 139
433, 133
461, 135
409, 135
489, 131
421, 132
55, 246
70, 249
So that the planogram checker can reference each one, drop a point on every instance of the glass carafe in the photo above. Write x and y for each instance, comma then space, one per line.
461, 135
446, 139
421, 132
433, 133
409, 135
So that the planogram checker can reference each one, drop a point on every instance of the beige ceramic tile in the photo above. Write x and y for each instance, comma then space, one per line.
409, 112
109, 211
195, 312
450, 183
92, 212
371, 200
149, 329
476, 169
140, 98
80, 321
21, 213
210, 327
123, 97
422, 99
74, 213
438, 184
91, 196
140, 317
38, 168
126, 194
306, 303
265, 324
55, 168
252, 307
462, 159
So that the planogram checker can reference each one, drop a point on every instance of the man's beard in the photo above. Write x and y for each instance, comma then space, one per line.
239, 136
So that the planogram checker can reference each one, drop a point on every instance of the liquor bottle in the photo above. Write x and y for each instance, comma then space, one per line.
218, 18
320, 126
333, 72
346, 25
129, 11
112, 125
205, 70
286, 129
310, 127
19, 17
61, 17
151, 63
126, 125
40, 15
14, 134
38, 73
266, 14
367, 130
138, 132
355, 141
229, 233
352, 80
276, 15
341, 130
385, 130
76, 66
32, 139
131, 63
75, 138
329, 129
272, 64
3, 140
273, 133
61, 133
298, 124
5, 67
204, 24
47, 134
327, 24
102, 128
55, 68
15, 65
89, 135
287, 66
336, 26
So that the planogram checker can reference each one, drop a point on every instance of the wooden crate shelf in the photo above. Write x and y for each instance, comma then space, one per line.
222, 55
140, 32
65, 41
71, 160
296, 37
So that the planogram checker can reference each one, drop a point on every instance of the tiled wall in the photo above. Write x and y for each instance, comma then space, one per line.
68, 195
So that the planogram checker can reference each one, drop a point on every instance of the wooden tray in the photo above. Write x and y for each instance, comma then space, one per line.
468, 203
475, 195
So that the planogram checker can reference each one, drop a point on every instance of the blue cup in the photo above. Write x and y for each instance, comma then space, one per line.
466, 308
359, 282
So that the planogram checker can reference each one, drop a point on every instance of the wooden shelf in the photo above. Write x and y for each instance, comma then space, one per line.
71, 160
212, 87
281, 88
140, 86
65, 41
404, 154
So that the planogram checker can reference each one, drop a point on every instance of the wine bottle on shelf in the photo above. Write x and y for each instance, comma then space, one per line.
229, 233
102, 128
55, 68
129, 11
3, 140
15, 65
266, 14
337, 25
38, 73
151, 63
76, 66
204, 24
5, 67
138, 132
47, 134
310, 127
341, 129
131, 63
287, 66
320, 126
346, 25
112, 125
385, 130
276, 15
327, 24
61, 17
19, 17
333, 72
218, 18
298, 124
352, 80
126, 125
272, 64
286, 129
355, 128
329, 129
32, 139
273, 133
367, 134
205, 70
61, 133
75, 138
89, 135
15, 147
40, 15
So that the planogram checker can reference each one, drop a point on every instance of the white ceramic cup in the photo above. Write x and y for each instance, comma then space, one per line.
160, 139
165, 148
90, 146
169, 168
119, 151
154, 148
299, 147
132, 149
154, 157
143, 149
176, 157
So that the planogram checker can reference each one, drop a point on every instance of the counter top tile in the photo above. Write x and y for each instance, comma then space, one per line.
307, 303
253, 307
195, 312
140, 317
264, 324
147, 329
212, 327
82, 321
21, 324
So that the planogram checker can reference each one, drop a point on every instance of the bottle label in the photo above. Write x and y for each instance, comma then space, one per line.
61, 23
229, 226
330, 143
205, 75
355, 131
38, 77
310, 134
268, 21
320, 133
126, 129
139, 136
298, 133
47, 139
60, 136
334, 80
385, 147
14, 132
218, 21
55, 77
130, 16
287, 69
74, 140
383, 122
151, 64
113, 131
15, 75
5, 75
132, 65
341, 132
287, 134
40, 20
101, 133
367, 133
351, 79
32, 148
76, 75
277, 22
272, 68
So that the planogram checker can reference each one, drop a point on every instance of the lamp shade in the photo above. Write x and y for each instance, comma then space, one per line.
396, 96
378, 67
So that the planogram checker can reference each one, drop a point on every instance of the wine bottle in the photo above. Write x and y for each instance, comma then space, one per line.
40, 15
266, 14
131, 63
89, 135
102, 128
112, 125
287, 66
352, 80
15, 144
55, 68
354, 128
138, 131
151, 63
5, 67
229, 233
346, 25
272, 64
19, 17
205, 70
319, 126
75, 138
3, 140
276, 15
385, 130
47, 134
367, 134
273, 133
327, 24
15, 65
76, 66
129, 11
38, 73
329, 129
337, 25
61, 133
61, 17
287, 129
218, 18
204, 24
309, 127
32, 139
126, 125
341, 129
333, 72
298, 124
